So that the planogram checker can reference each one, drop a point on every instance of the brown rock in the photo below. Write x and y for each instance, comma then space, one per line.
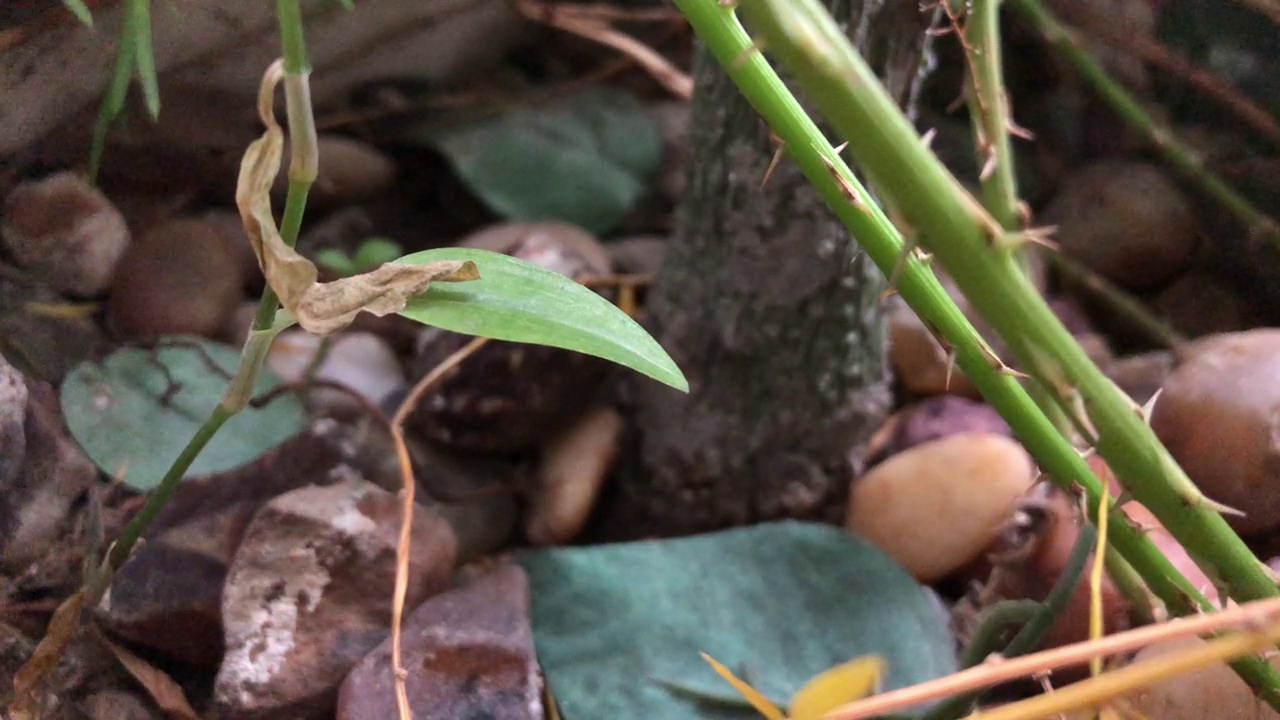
469, 653
919, 363
1141, 376
349, 170
1218, 417
1127, 221
119, 705
1215, 691
168, 597
309, 593
66, 231
573, 469
180, 278
1200, 304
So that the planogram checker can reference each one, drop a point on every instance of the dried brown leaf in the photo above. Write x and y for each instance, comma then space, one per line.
320, 308
26, 681
166, 693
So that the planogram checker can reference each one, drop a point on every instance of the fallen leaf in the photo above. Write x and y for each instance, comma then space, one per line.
615, 624
837, 686
320, 308
166, 693
26, 681
753, 696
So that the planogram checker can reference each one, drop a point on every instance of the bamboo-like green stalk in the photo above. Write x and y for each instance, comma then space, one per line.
810, 150
302, 172
979, 32
979, 255
1258, 223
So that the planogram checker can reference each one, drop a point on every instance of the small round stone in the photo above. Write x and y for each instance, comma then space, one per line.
935, 507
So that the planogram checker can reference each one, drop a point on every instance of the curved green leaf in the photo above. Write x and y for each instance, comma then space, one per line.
522, 302
135, 411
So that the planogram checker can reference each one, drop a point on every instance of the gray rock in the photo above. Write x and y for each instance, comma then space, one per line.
35, 504
470, 654
13, 416
309, 594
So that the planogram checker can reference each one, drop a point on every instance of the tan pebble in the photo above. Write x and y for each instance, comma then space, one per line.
936, 507
573, 469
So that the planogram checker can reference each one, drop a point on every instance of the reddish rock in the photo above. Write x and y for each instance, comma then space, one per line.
309, 594
469, 653
930, 419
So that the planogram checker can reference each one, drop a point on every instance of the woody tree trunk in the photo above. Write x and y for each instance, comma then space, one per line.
773, 314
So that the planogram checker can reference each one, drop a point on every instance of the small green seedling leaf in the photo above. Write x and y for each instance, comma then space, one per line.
376, 251
135, 411
521, 302
80, 10
144, 55
336, 261
585, 160
371, 253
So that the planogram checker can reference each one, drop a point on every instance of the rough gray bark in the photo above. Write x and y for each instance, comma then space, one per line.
771, 311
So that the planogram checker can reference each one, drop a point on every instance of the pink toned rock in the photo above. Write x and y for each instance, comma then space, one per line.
469, 653
309, 593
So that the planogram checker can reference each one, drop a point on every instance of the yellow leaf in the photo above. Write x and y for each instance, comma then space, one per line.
753, 696
837, 686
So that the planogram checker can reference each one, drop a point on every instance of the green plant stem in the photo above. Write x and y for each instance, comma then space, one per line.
260, 336
1132, 113
123, 546
989, 111
936, 206
292, 43
1037, 623
979, 255
809, 149
1129, 308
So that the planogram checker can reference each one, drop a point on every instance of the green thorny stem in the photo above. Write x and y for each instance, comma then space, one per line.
979, 34
1035, 619
1258, 224
302, 172
978, 253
